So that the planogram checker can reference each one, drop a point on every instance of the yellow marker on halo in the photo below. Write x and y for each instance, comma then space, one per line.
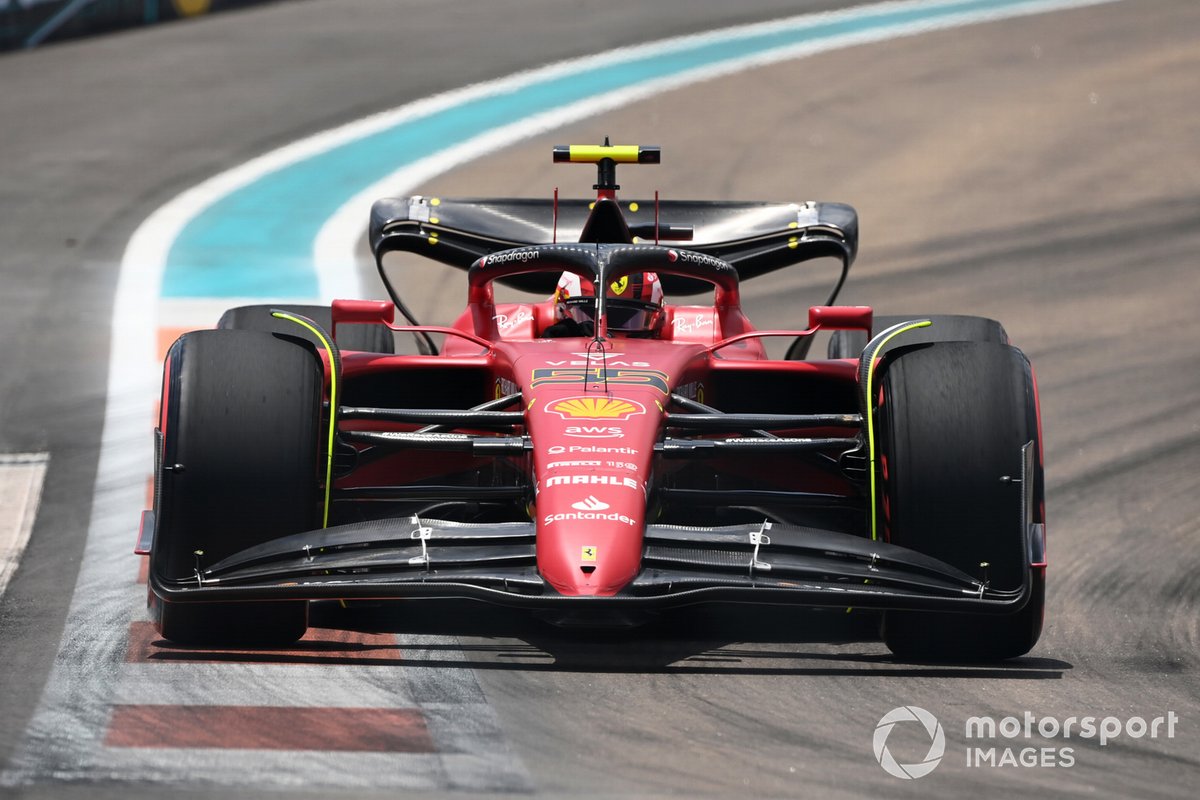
189, 8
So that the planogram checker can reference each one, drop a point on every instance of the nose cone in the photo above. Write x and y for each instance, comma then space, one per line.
592, 466
590, 528
594, 415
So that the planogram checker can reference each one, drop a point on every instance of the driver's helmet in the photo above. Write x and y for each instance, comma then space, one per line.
633, 303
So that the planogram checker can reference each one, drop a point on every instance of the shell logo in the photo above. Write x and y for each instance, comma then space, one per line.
597, 408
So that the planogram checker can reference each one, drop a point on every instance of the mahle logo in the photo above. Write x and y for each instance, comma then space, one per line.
933, 729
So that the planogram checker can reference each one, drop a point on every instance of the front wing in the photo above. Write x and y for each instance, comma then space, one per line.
764, 563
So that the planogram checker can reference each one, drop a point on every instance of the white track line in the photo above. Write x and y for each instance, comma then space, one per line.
21, 478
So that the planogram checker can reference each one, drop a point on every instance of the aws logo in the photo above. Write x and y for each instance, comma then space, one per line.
600, 408
595, 432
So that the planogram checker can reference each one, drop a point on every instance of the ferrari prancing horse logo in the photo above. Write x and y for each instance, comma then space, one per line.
589, 553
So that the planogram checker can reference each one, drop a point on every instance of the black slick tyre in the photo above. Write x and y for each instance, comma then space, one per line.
952, 421
945, 328
369, 338
238, 467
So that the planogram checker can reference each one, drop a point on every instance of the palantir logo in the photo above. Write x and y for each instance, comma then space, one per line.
937, 742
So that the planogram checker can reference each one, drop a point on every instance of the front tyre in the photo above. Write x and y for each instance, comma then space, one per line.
945, 328
239, 467
952, 421
369, 338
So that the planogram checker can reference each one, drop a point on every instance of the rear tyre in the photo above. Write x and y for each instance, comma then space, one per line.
953, 419
241, 413
370, 338
945, 328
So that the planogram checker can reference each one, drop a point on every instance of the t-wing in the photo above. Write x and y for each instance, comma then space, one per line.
754, 237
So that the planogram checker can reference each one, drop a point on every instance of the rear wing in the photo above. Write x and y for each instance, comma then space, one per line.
756, 238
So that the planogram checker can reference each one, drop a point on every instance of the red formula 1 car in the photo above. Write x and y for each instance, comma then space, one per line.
599, 455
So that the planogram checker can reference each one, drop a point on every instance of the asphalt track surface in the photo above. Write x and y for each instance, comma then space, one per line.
1042, 171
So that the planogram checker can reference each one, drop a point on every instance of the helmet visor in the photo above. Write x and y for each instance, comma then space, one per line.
632, 317
624, 316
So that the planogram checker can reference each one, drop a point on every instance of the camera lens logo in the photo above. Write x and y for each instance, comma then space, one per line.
937, 742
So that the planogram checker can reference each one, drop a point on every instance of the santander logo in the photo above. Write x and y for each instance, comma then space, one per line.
590, 503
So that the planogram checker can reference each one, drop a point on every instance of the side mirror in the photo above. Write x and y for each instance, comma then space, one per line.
382, 312
841, 318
